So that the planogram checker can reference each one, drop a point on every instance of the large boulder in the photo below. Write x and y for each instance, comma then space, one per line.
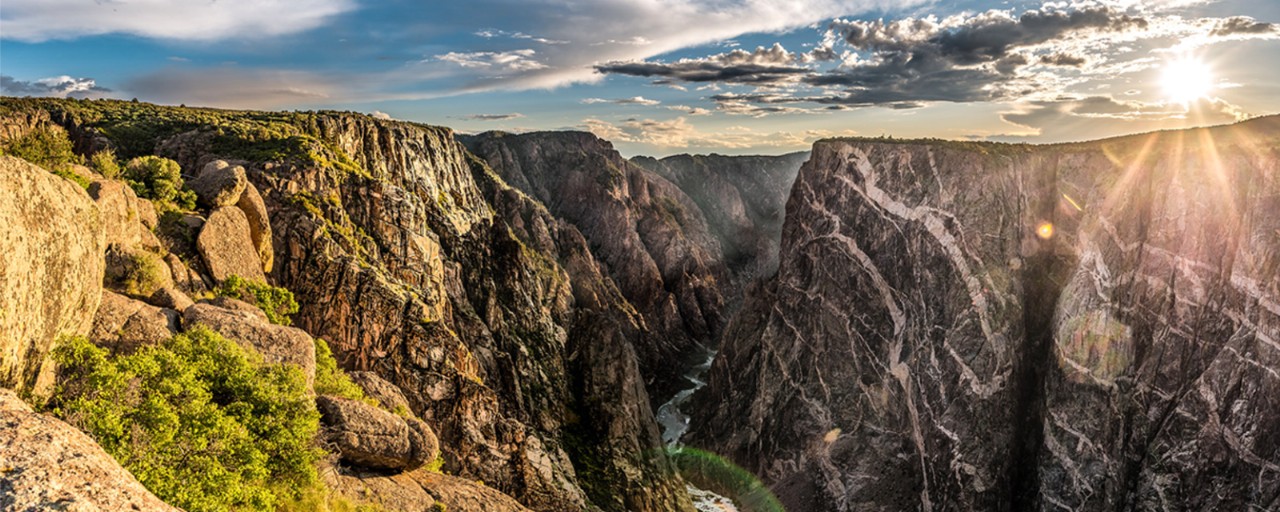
227, 248
219, 184
377, 388
370, 437
255, 211
124, 324
46, 464
127, 220
51, 268
276, 343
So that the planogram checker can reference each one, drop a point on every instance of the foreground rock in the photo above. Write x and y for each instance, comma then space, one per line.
46, 464
255, 212
51, 268
996, 327
124, 324
276, 343
370, 437
377, 388
226, 245
418, 490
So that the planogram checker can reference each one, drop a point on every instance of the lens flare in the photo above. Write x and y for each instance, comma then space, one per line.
1186, 80
1045, 230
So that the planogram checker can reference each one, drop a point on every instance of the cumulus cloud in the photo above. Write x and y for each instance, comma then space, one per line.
234, 87
1242, 25
493, 117
41, 20
378, 114
764, 65
637, 100
61, 86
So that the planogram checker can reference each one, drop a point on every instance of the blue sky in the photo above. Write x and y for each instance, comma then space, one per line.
671, 76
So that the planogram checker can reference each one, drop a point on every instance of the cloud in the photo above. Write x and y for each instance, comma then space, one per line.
680, 133
41, 20
1092, 117
764, 65
604, 31
693, 111
637, 100
234, 87
1242, 25
61, 86
494, 33
493, 117
378, 114
515, 60
1063, 59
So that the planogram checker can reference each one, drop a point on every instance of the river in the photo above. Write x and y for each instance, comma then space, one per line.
675, 423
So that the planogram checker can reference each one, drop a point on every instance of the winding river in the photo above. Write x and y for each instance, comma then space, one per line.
675, 423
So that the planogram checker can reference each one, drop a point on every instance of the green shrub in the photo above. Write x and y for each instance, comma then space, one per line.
48, 148
51, 149
142, 274
105, 163
199, 420
160, 180
331, 380
275, 301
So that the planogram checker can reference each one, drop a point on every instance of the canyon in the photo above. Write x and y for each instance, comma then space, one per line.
896, 325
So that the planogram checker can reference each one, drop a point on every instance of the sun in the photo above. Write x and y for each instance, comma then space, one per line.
1186, 80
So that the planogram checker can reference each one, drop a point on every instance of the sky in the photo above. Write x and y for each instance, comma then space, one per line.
660, 77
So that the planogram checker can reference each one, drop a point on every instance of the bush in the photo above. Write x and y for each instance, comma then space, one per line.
160, 180
331, 380
45, 147
142, 273
105, 163
200, 421
50, 149
275, 301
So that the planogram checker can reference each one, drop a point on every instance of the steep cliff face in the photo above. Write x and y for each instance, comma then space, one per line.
651, 237
416, 262
978, 326
743, 199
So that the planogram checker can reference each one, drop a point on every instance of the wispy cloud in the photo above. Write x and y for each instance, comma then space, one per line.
636, 100
41, 20
493, 117
61, 86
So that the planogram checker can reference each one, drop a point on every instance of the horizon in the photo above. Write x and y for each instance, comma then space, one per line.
667, 77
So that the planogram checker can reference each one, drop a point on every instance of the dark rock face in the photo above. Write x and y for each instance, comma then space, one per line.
743, 199
416, 263
991, 327
650, 236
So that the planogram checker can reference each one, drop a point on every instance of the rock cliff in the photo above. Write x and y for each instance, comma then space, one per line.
743, 198
998, 327
652, 239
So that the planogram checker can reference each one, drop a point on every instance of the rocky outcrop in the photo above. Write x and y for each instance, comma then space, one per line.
51, 268
227, 248
369, 437
387, 394
46, 464
650, 236
984, 326
276, 343
219, 184
255, 211
124, 325
743, 199
127, 220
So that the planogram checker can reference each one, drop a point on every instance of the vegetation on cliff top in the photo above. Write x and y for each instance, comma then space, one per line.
199, 420
276, 302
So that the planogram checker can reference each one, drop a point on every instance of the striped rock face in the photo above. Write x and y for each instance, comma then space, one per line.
987, 327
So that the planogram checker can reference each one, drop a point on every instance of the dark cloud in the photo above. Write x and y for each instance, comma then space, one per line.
1242, 25
493, 117
61, 86
1062, 59
762, 66
962, 60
